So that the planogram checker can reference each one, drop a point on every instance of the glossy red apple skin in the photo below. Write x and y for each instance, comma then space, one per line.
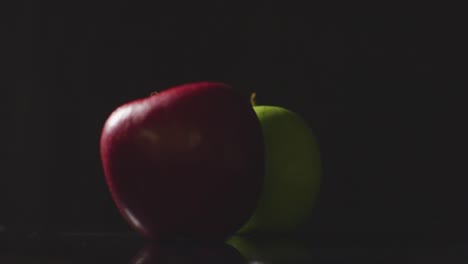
186, 162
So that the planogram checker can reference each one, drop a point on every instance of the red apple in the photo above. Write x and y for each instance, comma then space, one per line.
187, 162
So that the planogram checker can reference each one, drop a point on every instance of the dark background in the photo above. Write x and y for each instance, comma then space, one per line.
376, 83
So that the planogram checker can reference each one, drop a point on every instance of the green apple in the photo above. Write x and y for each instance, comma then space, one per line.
292, 172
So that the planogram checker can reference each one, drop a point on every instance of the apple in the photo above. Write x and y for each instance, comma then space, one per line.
292, 172
188, 253
185, 163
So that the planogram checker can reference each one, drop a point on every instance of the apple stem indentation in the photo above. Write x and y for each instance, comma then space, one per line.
153, 93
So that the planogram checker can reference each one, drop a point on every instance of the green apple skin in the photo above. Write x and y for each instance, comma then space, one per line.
292, 172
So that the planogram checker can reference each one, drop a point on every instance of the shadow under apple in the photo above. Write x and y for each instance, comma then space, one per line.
268, 249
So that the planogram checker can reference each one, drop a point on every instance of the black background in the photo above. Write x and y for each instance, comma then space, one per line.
376, 83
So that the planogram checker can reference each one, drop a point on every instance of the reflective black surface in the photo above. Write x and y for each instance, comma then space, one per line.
132, 249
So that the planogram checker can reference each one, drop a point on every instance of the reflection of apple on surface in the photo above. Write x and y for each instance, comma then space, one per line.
278, 250
190, 253
186, 162
293, 169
